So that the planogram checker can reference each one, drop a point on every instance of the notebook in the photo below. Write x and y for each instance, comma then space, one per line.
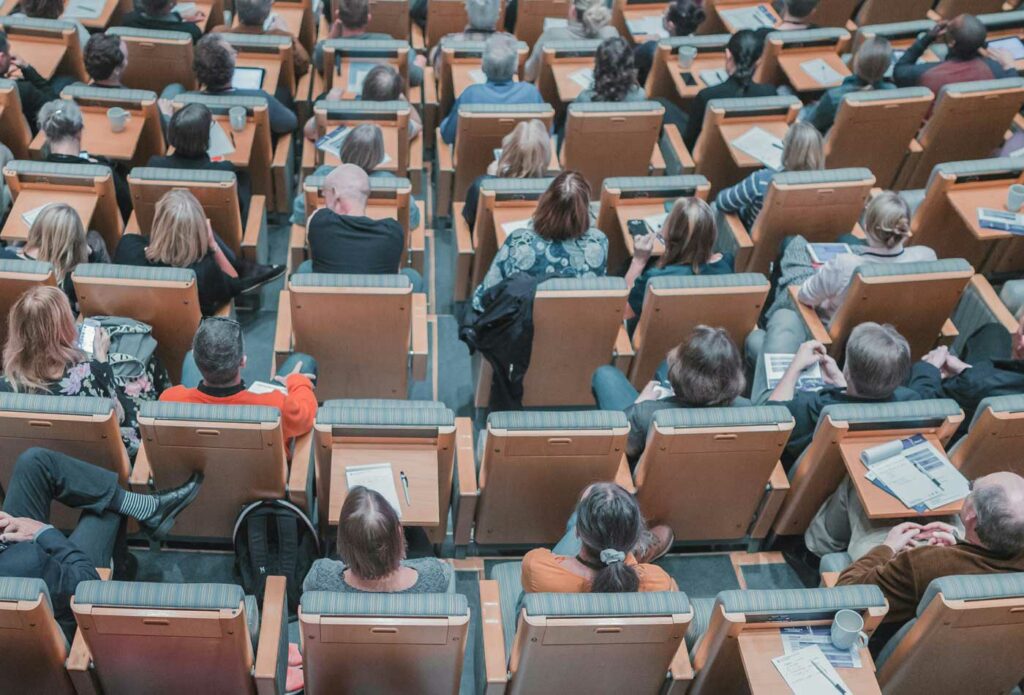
84, 9
748, 17
776, 364
30, 217
221, 144
649, 26
762, 146
713, 77
378, 477
821, 72
584, 77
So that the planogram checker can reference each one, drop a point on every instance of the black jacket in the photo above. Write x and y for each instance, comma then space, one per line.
730, 89
177, 161
121, 190
984, 379
55, 560
34, 90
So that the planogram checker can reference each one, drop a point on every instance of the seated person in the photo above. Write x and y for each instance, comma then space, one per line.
350, 21
525, 154
214, 65
558, 240
212, 374
687, 238
802, 150
34, 548
599, 552
681, 18
870, 64
912, 555
614, 75
42, 356
965, 36
876, 368
61, 122
483, 21
161, 15
342, 239
588, 19
252, 15
51, 9
705, 371
886, 228
33, 89
742, 55
371, 545
181, 237
106, 59
794, 15
500, 63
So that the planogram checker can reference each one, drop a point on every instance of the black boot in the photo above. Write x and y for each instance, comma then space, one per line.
170, 503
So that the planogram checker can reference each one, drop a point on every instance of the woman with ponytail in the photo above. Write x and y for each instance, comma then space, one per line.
742, 54
606, 549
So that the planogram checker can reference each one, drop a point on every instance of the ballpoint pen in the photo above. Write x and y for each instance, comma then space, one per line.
824, 675
925, 473
405, 486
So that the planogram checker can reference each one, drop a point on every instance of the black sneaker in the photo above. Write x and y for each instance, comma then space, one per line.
259, 275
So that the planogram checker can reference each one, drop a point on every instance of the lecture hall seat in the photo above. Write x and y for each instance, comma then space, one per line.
33, 648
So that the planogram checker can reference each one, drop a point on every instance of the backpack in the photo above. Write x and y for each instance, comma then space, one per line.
274, 537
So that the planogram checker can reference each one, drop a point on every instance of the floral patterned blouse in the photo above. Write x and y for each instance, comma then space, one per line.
525, 251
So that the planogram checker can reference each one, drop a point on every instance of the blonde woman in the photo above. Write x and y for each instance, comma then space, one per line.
525, 154
588, 19
57, 237
802, 150
181, 237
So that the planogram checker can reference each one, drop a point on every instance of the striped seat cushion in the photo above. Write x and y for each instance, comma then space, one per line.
677, 186
903, 412
882, 270
385, 415
221, 103
706, 41
24, 167
723, 417
614, 107
557, 605
557, 420
887, 94
800, 603
82, 91
973, 587
981, 86
755, 105
160, 595
168, 410
256, 39
341, 109
527, 186
540, 110
396, 281
384, 605
132, 32
603, 284
84, 406
510, 589
693, 282
134, 272
1000, 404
185, 175
829, 176
702, 609
23, 589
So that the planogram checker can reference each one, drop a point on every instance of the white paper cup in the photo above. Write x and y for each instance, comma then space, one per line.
687, 54
236, 116
1015, 198
118, 118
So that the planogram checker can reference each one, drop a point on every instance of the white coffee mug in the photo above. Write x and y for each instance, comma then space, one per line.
847, 629
1015, 198
236, 115
118, 118
687, 54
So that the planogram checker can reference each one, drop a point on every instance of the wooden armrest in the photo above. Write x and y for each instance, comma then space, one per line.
680, 670
994, 304
445, 153
775, 495
744, 244
298, 476
675, 139
657, 163
304, 86
283, 329
858, 231
141, 473
829, 579
255, 223
623, 352
624, 477
133, 224
948, 333
810, 318
495, 666
463, 253
419, 348
105, 573
282, 153
272, 630
78, 666
465, 462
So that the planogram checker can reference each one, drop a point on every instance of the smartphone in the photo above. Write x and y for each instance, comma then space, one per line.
688, 79
638, 228
87, 335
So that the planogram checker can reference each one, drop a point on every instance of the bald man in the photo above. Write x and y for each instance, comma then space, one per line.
912, 554
965, 36
342, 239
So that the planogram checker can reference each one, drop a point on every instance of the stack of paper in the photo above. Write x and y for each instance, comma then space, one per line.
915, 472
357, 72
748, 17
264, 387
377, 477
822, 253
821, 72
990, 218
762, 146
649, 26
221, 144
776, 364
30, 217
584, 77
796, 638
509, 227
713, 77
808, 672
84, 9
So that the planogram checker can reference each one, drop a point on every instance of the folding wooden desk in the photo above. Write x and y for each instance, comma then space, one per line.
563, 69
44, 53
637, 211
791, 63
418, 462
16, 230
703, 61
759, 647
731, 28
731, 131
99, 140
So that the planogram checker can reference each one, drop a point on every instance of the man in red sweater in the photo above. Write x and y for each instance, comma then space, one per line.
212, 373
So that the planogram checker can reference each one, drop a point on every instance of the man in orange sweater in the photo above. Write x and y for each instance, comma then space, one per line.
212, 373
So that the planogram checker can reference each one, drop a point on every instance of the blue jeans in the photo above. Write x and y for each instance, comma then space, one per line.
612, 389
414, 277
191, 376
570, 544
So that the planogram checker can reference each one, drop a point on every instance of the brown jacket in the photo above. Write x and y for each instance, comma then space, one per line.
903, 577
300, 56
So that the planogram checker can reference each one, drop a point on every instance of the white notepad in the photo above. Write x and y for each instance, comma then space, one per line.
762, 146
269, 21
221, 144
30, 216
509, 227
821, 72
713, 77
584, 77
84, 9
377, 477
748, 17
650, 26
357, 72
185, 8
808, 672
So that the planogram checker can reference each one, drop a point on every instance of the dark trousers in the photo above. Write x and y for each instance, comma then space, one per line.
42, 476
990, 342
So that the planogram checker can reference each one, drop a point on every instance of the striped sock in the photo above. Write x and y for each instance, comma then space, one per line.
137, 506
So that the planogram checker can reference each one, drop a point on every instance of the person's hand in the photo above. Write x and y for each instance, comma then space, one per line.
831, 372
902, 535
937, 357
101, 345
297, 369
166, 106
420, 61
18, 529
19, 61
808, 354
336, 26
953, 366
938, 30
194, 17
1018, 340
937, 533
1001, 56
643, 246
650, 392
278, 24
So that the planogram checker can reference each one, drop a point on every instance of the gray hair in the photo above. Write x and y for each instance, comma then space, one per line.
218, 349
1000, 525
483, 14
60, 119
877, 360
252, 13
501, 57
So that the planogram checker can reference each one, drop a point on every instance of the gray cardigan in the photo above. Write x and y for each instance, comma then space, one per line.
434, 577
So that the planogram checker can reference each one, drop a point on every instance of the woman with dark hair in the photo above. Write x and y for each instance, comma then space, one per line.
601, 551
614, 74
557, 240
742, 54
371, 545
681, 18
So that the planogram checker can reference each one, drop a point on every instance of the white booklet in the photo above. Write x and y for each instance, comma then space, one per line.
30, 216
221, 144
509, 227
776, 364
357, 72
185, 8
748, 17
713, 77
796, 638
808, 672
821, 72
762, 146
269, 21
378, 477
263, 387
584, 77
649, 26
915, 472
84, 9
